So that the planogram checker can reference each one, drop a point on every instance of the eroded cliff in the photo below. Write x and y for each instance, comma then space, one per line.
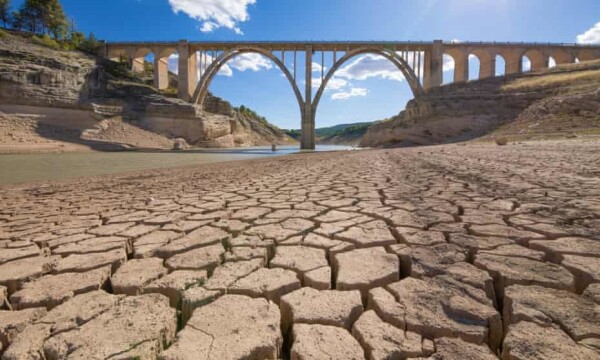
87, 100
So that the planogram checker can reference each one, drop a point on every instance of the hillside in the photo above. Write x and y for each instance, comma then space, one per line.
56, 100
563, 101
342, 134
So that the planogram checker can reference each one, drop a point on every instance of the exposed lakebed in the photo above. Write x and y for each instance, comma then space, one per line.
19, 168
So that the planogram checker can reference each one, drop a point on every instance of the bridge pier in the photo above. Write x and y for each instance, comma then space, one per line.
188, 71
512, 62
137, 65
461, 66
434, 62
161, 72
307, 132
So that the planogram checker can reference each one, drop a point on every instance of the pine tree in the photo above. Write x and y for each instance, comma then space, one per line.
54, 18
4, 12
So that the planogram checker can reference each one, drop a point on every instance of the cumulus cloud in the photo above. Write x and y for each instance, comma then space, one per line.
591, 36
173, 63
343, 95
214, 14
335, 83
316, 67
370, 66
250, 61
447, 63
526, 64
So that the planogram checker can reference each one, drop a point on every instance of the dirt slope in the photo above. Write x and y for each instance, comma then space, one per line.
563, 101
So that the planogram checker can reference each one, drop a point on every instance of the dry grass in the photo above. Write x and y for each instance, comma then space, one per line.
553, 80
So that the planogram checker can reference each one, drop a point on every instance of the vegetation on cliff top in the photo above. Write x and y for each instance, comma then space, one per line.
49, 25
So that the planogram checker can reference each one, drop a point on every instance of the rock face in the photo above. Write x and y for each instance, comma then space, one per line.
73, 92
515, 106
449, 252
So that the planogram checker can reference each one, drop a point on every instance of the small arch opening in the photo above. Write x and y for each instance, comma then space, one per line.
525, 64
500, 69
448, 69
474, 67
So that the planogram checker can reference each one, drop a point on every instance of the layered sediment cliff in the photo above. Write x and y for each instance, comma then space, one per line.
561, 101
76, 92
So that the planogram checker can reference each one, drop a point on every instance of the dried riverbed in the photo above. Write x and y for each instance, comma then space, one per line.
452, 252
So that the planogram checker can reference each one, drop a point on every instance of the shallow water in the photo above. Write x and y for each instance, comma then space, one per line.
19, 168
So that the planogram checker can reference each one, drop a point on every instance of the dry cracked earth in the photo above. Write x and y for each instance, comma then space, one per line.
449, 252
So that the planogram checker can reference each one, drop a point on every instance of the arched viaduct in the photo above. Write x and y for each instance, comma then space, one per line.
421, 63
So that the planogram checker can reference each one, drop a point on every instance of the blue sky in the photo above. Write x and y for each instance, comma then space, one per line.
255, 83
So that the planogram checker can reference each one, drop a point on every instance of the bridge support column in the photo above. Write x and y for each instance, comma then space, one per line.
487, 67
137, 65
161, 72
188, 71
307, 136
434, 61
461, 67
512, 62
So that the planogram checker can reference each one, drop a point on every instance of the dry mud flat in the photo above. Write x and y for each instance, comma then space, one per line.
448, 252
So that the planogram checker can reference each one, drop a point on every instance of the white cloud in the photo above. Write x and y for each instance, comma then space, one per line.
343, 95
250, 61
591, 36
551, 62
173, 63
370, 66
316, 67
214, 14
447, 63
335, 83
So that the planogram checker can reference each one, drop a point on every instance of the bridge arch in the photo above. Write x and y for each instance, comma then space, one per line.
409, 74
537, 59
450, 77
220, 61
475, 65
499, 65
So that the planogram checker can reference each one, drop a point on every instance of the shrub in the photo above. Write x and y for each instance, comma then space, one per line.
501, 141
47, 41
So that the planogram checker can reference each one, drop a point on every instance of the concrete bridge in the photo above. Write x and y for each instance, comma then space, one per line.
421, 63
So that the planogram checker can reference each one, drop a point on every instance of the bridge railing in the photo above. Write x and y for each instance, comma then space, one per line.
363, 42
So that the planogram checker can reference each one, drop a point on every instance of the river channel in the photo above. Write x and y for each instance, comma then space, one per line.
21, 168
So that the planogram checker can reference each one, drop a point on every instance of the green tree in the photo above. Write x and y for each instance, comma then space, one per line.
4, 12
42, 17
54, 18
90, 44
16, 20
30, 17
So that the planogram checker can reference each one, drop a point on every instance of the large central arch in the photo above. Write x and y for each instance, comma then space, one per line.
308, 105
221, 60
391, 55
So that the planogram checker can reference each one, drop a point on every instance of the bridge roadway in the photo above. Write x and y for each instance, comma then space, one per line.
421, 63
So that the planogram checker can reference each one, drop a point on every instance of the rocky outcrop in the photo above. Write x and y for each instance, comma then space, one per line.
553, 102
47, 84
